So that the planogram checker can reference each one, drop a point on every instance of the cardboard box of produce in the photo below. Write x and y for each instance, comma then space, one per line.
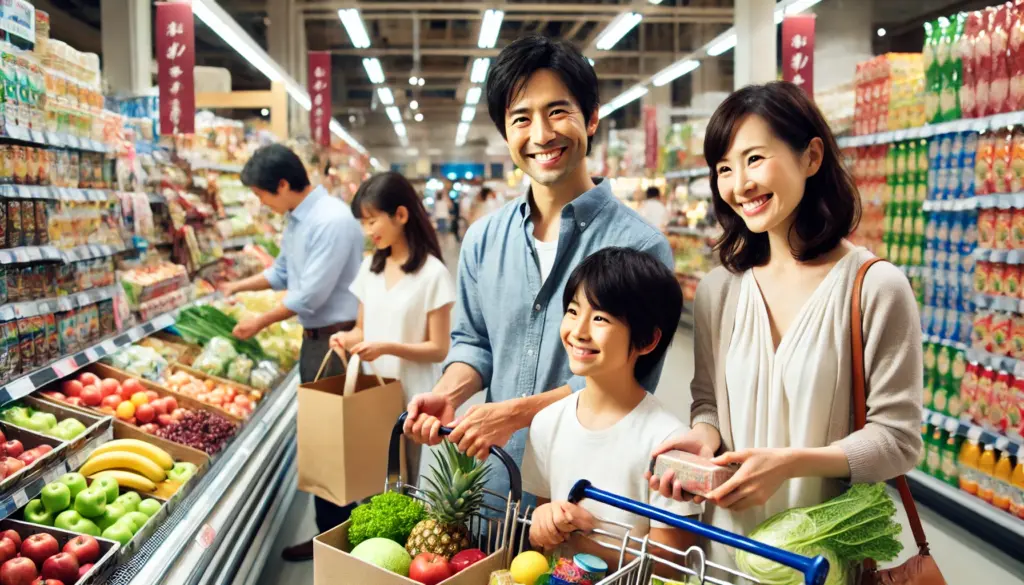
254, 396
100, 570
333, 565
29, 440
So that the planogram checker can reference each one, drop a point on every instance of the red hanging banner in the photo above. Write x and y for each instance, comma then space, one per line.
176, 63
651, 137
798, 51
319, 76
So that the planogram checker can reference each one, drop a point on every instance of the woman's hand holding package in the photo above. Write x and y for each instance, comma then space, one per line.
761, 473
702, 440
555, 521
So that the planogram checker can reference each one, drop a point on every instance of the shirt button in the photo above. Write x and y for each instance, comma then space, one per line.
583, 224
536, 307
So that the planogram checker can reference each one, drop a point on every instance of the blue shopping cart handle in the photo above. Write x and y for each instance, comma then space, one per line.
815, 569
515, 480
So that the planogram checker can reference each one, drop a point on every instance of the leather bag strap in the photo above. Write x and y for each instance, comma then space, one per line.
860, 400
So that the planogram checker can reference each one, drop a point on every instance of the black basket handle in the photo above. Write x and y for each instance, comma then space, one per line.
515, 479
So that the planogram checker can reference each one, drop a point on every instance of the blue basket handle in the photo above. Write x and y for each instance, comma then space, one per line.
515, 479
815, 569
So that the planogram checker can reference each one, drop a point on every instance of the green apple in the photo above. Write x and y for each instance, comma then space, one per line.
129, 501
111, 514
59, 432
43, 420
138, 519
149, 506
74, 522
73, 426
56, 497
109, 486
182, 471
36, 513
91, 502
120, 531
75, 482
17, 415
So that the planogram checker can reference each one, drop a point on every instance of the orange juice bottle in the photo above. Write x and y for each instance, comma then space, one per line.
986, 465
1017, 488
970, 453
1001, 476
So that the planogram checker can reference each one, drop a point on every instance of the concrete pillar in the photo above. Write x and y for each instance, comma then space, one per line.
842, 38
707, 79
660, 97
755, 42
127, 45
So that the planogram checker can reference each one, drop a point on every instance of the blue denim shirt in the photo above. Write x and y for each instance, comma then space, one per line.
322, 248
506, 322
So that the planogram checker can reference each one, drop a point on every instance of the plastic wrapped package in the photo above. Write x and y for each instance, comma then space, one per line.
140, 361
240, 369
264, 376
215, 357
697, 474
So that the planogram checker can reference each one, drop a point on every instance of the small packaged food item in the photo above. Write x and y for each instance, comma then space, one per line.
28, 223
42, 222
999, 400
987, 227
1001, 333
10, 332
15, 235
106, 310
52, 336
1011, 280
996, 277
32, 156
26, 344
981, 338
40, 350
698, 475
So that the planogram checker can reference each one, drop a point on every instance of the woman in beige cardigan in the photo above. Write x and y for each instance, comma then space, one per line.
772, 387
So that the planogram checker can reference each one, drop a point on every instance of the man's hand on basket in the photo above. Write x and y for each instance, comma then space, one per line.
553, 523
427, 414
484, 426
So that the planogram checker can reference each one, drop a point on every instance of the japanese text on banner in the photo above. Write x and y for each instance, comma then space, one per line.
176, 61
320, 96
798, 51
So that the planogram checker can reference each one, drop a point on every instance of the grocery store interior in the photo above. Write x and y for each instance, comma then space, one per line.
126, 124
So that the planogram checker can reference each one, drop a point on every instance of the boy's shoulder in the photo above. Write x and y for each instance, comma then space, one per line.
658, 420
552, 413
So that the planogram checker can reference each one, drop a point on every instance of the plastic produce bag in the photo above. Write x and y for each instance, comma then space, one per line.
215, 357
264, 376
144, 362
240, 369
222, 348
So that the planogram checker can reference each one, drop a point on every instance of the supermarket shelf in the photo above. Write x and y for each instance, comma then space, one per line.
988, 523
999, 303
251, 567
29, 383
947, 343
688, 173
984, 435
58, 139
997, 362
223, 168
214, 524
25, 254
1000, 256
49, 192
24, 309
971, 124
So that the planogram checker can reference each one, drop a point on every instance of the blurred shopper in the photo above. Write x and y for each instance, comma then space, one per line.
653, 210
485, 204
405, 292
514, 264
772, 390
320, 255
442, 212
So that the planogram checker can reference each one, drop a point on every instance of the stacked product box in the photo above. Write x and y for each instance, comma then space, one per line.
889, 93
867, 164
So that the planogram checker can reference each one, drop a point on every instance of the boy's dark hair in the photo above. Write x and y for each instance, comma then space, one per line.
633, 286
830, 209
527, 55
653, 193
272, 163
386, 192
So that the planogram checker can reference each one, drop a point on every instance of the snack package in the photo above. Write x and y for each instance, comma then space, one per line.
15, 236
1004, 222
987, 227
984, 183
40, 347
10, 334
52, 336
28, 223
999, 29
1001, 158
1000, 333
697, 474
26, 345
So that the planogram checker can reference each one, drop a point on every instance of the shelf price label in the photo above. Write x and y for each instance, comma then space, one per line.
21, 387
206, 536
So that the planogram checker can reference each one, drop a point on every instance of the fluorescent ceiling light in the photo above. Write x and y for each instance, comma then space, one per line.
654, 1
353, 24
617, 29
300, 96
723, 45
473, 96
373, 70
386, 97
490, 28
622, 99
461, 133
800, 5
468, 113
400, 129
394, 113
418, 117
415, 105
674, 71
479, 72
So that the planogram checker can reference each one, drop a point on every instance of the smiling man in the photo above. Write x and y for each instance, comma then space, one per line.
542, 96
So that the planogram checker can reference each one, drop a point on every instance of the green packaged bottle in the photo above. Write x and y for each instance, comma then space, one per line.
950, 452
901, 159
951, 69
932, 71
926, 437
957, 370
933, 464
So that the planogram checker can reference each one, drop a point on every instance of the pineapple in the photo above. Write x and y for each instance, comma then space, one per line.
455, 494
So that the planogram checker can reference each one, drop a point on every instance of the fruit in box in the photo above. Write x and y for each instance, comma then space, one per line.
456, 495
528, 566
41, 422
429, 569
384, 553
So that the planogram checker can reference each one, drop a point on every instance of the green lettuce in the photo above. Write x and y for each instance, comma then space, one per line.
389, 515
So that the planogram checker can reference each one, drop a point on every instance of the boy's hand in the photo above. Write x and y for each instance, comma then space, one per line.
702, 441
555, 521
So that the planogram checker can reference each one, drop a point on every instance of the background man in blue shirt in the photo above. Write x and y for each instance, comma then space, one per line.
542, 96
320, 256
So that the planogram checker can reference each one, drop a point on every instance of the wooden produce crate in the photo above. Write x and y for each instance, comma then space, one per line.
100, 570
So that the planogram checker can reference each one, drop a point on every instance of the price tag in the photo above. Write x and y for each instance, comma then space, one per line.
53, 474
109, 346
134, 334
65, 367
91, 355
20, 498
34, 254
6, 257
206, 536
21, 387
73, 142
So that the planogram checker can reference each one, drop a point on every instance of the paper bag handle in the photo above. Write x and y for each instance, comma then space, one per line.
351, 371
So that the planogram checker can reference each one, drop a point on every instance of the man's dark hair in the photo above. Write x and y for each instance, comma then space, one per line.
830, 208
638, 289
272, 163
653, 192
527, 55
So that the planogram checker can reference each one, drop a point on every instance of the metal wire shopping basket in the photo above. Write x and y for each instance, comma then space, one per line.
649, 557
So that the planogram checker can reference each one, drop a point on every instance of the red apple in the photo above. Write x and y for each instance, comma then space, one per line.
111, 401
159, 406
44, 449
165, 420
85, 548
39, 547
124, 394
171, 404
13, 535
18, 571
463, 559
133, 384
54, 395
13, 448
72, 388
84, 569
91, 395
3, 437
145, 413
152, 395
75, 401
110, 386
14, 465
8, 550
150, 428
89, 379
429, 569
62, 566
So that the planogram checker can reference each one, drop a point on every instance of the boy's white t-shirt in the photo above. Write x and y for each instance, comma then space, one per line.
560, 451
546, 252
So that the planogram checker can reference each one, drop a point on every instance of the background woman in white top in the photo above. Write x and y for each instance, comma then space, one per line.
405, 291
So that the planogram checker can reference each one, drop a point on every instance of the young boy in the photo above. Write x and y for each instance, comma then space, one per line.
621, 308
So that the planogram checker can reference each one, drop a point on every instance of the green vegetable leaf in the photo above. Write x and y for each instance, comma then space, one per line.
389, 515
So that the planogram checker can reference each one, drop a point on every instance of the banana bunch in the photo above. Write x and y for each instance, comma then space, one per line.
134, 464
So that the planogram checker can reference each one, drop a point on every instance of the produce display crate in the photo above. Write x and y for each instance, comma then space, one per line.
101, 569
30, 473
97, 426
187, 352
218, 380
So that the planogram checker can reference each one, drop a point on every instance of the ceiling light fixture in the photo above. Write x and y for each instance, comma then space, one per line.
722, 45
394, 114
353, 24
413, 80
373, 69
479, 72
386, 97
881, 32
617, 28
636, 92
490, 28
265, 112
418, 117
473, 95
674, 71
420, 81
415, 105
468, 113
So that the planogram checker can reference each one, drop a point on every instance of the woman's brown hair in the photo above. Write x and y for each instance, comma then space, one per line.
830, 208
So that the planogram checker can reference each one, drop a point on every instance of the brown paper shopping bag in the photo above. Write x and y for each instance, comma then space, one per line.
344, 427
